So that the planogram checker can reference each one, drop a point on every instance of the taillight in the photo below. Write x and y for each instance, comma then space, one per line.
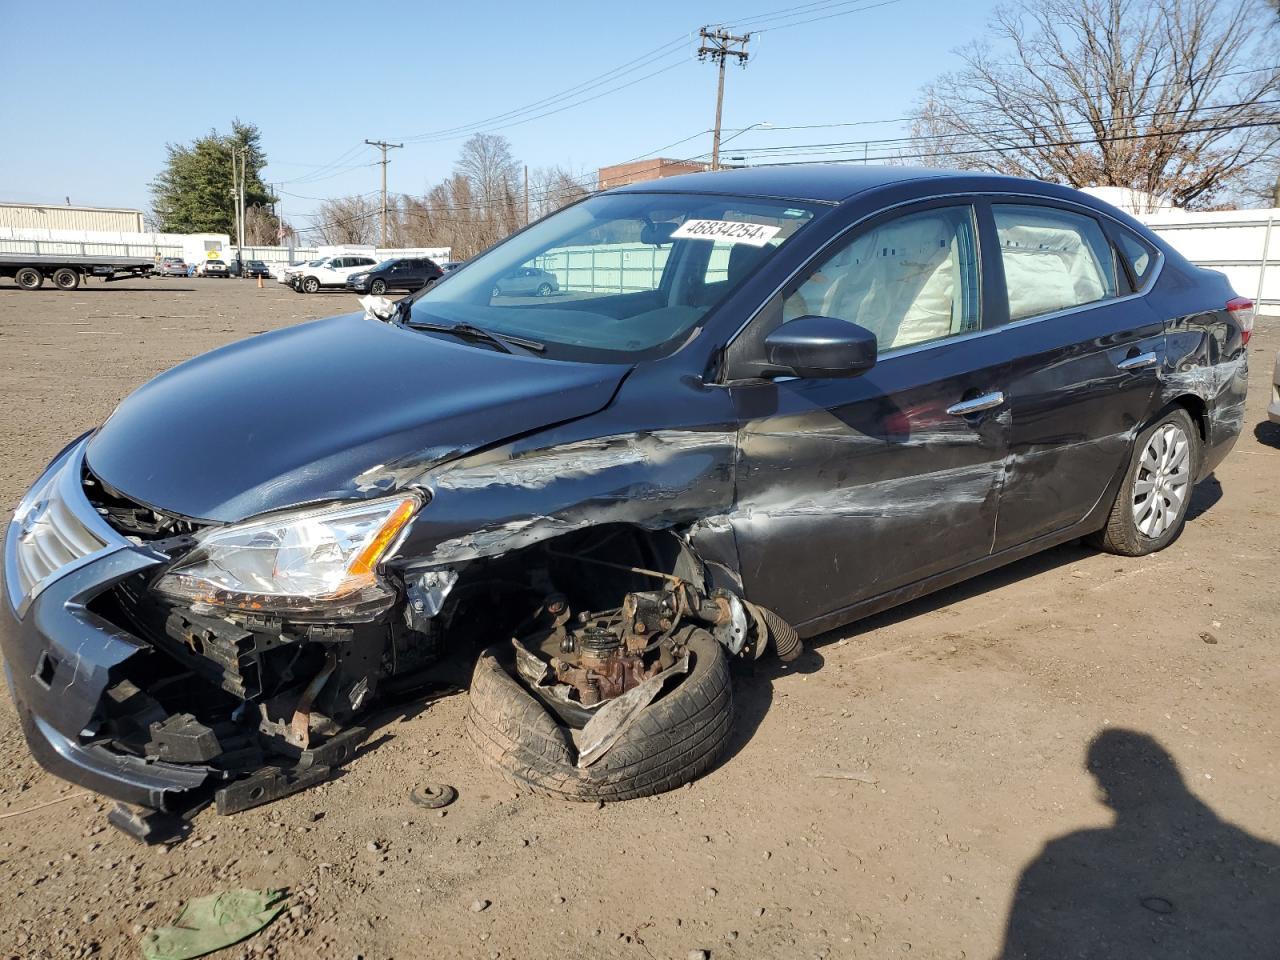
1241, 310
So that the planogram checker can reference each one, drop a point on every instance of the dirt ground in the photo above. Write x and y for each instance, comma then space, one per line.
964, 719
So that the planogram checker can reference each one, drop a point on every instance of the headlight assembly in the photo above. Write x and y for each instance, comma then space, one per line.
305, 564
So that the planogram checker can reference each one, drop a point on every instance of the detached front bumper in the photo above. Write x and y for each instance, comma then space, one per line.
61, 658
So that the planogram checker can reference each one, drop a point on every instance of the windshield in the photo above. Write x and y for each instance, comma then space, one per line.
618, 277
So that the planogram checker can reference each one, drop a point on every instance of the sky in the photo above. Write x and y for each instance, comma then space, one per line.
89, 107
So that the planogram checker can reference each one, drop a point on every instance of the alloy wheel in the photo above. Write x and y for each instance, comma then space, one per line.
1163, 481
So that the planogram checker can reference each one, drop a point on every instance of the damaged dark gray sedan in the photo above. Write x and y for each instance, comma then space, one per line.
764, 403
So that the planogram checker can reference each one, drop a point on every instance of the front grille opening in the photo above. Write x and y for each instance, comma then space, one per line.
128, 516
155, 687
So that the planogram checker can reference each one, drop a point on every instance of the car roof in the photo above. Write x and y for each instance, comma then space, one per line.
822, 183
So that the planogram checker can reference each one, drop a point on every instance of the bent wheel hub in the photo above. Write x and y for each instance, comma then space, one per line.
1162, 482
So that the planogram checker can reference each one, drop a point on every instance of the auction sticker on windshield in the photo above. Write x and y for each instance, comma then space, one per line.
731, 231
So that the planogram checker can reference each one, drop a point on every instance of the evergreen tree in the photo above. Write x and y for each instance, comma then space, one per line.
193, 194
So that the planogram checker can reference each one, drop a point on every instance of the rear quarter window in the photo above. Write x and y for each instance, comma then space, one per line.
1138, 256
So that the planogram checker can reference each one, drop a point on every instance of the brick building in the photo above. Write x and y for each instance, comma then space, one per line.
623, 173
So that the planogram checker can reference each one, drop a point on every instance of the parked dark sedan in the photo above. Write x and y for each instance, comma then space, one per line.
770, 403
256, 268
402, 274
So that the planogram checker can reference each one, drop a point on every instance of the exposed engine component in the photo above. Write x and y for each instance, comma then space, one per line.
589, 659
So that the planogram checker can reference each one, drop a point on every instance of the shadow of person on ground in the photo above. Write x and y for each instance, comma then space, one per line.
1168, 879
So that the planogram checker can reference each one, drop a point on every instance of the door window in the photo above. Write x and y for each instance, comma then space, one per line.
908, 280
1053, 259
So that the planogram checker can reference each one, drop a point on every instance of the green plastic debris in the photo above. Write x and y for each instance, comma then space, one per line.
210, 923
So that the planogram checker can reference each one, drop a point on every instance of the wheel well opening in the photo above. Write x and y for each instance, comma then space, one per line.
593, 569
1198, 410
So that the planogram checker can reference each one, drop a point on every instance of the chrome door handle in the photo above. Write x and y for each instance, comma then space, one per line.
1139, 362
976, 405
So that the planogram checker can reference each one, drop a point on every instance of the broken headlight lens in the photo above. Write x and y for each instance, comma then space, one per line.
300, 564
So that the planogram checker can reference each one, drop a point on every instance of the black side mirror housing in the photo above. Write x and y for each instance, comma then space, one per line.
816, 347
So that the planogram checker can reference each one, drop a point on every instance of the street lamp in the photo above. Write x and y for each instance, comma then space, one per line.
762, 125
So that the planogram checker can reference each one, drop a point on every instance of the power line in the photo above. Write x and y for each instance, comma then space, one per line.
840, 146
315, 175
658, 53
975, 113
561, 109
761, 22
1016, 148
843, 147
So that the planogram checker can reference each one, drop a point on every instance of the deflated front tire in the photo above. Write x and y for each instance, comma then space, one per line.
673, 741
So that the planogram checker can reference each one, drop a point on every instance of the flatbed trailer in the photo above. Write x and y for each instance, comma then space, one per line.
66, 271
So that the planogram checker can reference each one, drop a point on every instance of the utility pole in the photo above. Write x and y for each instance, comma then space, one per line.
244, 174
384, 147
235, 191
526, 194
719, 45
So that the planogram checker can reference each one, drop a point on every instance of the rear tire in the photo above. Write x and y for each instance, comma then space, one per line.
544, 289
1151, 506
676, 739
64, 278
29, 278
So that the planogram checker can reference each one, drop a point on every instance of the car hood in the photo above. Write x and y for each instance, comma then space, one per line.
339, 408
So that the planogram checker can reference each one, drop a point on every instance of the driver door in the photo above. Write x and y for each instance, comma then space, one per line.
852, 488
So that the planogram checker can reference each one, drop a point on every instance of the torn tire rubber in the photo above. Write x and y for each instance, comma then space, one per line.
676, 739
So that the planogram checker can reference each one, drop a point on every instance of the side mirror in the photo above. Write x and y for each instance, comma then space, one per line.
815, 347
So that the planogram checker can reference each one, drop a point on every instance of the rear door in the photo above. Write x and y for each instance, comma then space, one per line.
411, 275
852, 488
1086, 352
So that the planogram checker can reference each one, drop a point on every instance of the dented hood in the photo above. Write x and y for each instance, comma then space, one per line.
347, 407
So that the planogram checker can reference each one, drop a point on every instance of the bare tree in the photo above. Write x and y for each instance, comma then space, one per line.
493, 211
486, 160
551, 188
1167, 97
262, 227
479, 204
348, 220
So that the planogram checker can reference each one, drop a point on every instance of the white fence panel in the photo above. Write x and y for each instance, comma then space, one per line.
1243, 244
